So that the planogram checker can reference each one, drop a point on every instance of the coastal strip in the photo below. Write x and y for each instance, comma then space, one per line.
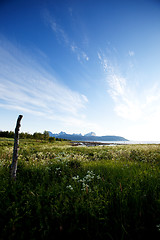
93, 144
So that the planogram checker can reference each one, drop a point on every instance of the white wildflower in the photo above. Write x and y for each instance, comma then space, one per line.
70, 187
98, 177
158, 227
76, 178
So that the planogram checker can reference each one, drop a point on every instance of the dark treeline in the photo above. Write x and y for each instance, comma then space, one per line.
36, 135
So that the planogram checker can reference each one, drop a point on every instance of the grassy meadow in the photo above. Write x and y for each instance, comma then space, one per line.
105, 192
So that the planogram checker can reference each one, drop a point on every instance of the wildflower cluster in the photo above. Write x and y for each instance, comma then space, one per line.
86, 181
58, 171
70, 187
62, 158
158, 227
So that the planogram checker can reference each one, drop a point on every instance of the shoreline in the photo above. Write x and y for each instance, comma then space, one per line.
94, 144
118, 143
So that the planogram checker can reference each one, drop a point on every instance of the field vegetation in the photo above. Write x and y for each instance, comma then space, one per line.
105, 192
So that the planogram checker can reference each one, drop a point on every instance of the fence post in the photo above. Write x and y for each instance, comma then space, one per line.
15, 149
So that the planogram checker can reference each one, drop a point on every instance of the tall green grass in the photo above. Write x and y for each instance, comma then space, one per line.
78, 192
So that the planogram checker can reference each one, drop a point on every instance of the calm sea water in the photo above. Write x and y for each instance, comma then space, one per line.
130, 142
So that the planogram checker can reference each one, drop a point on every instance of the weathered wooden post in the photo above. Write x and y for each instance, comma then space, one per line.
15, 149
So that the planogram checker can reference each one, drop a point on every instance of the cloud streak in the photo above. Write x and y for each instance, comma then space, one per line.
126, 103
130, 104
26, 86
131, 53
63, 37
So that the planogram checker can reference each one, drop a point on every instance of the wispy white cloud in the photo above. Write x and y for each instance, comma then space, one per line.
79, 53
84, 55
131, 53
26, 86
58, 30
73, 47
130, 103
63, 37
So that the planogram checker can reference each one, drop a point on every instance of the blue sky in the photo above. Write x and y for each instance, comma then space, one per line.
81, 65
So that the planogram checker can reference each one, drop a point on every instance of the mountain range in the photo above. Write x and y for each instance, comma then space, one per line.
87, 137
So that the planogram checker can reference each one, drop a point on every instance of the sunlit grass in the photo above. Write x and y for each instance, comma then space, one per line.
79, 192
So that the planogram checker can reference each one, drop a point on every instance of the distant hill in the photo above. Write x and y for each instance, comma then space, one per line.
91, 134
87, 137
